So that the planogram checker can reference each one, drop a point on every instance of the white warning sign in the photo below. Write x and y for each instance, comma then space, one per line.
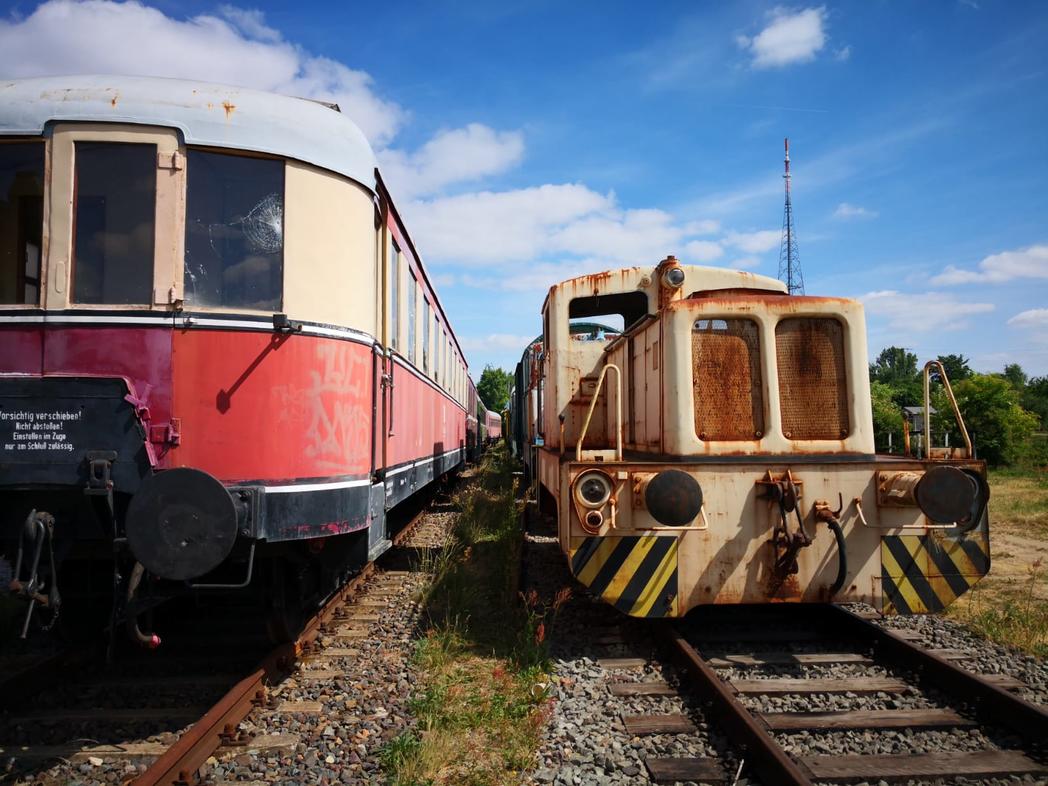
27, 431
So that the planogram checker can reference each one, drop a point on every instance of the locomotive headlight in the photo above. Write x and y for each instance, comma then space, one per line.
947, 495
593, 489
673, 278
673, 498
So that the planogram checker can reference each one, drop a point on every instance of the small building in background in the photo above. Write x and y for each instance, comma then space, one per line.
915, 418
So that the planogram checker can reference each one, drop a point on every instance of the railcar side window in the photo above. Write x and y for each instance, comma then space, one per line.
813, 389
726, 378
21, 221
444, 348
412, 315
438, 351
425, 334
234, 231
394, 295
114, 213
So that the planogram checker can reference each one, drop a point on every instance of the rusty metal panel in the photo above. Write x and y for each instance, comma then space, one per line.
813, 388
726, 365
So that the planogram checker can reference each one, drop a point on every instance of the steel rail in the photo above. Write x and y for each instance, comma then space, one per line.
760, 749
179, 764
991, 702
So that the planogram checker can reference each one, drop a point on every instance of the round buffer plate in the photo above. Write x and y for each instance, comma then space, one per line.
181, 524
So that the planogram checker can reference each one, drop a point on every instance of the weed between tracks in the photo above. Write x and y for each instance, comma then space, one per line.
1010, 605
481, 700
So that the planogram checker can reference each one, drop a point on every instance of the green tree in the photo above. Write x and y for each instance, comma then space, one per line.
1035, 399
897, 368
956, 366
493, 388
1014, 373
887, 416
1000, 428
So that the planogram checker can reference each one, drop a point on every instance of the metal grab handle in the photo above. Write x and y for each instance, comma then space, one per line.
928, 407
593, 405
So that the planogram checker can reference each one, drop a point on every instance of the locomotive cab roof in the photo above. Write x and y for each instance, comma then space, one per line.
634, 292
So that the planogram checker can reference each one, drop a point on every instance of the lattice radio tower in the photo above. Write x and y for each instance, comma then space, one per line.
789, 260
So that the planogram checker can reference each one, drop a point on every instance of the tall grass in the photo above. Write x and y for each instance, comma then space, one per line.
1010, 605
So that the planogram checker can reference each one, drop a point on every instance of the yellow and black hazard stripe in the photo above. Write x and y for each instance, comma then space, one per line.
926, 573
635, 573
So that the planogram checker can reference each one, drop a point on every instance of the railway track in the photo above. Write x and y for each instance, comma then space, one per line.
777, 686
157, 720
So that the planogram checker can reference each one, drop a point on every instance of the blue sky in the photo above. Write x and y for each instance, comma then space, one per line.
529, 142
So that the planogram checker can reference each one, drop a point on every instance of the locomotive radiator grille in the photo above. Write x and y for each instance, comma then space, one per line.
635, 574
813, 389
726, 370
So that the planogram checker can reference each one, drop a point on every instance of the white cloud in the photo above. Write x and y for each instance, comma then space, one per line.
790, 37
702, 251
1031, 262
630, 236
907, 313
706, 226
503, 226
846, 210
535, 277
237, 48
755, 242
842, 54
251, 22
453, 156
496, 342
1035, 319
566, 224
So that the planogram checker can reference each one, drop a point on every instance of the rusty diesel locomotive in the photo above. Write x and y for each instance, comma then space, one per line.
709, 440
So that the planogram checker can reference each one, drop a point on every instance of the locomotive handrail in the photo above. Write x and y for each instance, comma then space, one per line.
928, 405
593, 405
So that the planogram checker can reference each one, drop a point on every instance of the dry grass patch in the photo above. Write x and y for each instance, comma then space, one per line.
1010, 605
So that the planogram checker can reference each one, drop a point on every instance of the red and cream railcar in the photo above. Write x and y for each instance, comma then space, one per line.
216, 337
494, 426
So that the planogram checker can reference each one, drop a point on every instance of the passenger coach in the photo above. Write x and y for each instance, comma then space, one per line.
220, 352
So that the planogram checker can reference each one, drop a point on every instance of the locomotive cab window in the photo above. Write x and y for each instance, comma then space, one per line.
114, 214
21, 221
234, 231
813, 389
614, 315
726, 379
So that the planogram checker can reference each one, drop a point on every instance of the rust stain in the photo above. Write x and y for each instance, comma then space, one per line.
113, 100
226, 105
777, 302
729, 402
813, 391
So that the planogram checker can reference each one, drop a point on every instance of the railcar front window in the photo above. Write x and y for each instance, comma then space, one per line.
114, 214
21, 221
726, 379
813, 389
234, 231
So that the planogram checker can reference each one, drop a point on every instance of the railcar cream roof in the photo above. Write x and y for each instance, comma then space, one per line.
206, 114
